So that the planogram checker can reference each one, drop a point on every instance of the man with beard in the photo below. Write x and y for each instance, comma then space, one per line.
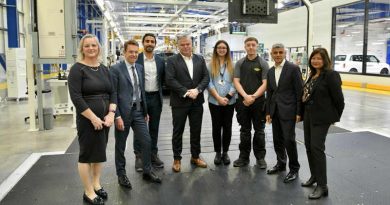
154, 67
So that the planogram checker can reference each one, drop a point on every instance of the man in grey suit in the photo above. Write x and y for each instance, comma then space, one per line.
283, 110
128, 81
187, 77
154, 67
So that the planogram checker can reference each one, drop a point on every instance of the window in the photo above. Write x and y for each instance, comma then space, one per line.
348, 43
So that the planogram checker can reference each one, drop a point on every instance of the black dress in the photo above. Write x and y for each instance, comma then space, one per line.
91, 87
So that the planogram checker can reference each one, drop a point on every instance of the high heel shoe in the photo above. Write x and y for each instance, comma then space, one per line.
102, 193
97, 200
309, 182
319, 192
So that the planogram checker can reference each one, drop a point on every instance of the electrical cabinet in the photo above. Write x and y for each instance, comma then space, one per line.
16, 73
51, 28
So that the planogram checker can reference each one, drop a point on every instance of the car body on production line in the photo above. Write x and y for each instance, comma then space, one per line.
353, 63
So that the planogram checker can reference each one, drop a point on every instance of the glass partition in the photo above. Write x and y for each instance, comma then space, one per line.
348, 43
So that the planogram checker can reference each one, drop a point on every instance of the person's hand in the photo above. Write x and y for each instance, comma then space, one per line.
97, 123
268, 119
249, 100
222, 101
109, 119
147, 118
193, 93
119, 124
298, 118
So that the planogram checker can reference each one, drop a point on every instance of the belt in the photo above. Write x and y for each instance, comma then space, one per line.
94, 97
134, 105
152, 93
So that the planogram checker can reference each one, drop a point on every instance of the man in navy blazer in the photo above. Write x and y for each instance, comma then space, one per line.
154, 67
283, 110
187, 77
128, 81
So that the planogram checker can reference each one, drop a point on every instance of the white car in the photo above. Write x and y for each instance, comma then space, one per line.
354, 64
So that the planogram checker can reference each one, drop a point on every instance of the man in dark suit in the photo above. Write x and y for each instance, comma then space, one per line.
187, 77
128, 81
154, 67
283, 110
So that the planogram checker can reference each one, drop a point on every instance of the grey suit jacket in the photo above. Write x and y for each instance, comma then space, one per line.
178, 79
287, 95
124, 88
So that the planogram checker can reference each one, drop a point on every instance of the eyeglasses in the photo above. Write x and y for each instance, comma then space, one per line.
221, 48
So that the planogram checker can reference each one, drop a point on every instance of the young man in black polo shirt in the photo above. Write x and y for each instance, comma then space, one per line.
250, 80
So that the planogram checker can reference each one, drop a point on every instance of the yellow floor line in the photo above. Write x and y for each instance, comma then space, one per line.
367, 90
3, 86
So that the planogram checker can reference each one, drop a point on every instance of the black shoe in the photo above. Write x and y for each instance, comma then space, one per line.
240, 162
218, 158
276, 169
156, 161
102, 193
152, 177
225, 158
138, 164
309, 182
96, 200
261, 163
124, 181
318, 192
291, 176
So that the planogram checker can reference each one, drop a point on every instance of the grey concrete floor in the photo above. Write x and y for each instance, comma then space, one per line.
364, 111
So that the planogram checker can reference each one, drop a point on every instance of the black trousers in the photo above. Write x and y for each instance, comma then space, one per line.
179, 118
154, 111
315, 136
283, 132
246, 116
221, 118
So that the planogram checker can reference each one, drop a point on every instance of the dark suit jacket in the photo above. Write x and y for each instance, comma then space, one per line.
326, 103
124, 88
178, 79
160, 64
287, 95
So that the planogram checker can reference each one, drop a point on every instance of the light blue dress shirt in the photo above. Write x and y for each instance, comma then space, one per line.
223, 84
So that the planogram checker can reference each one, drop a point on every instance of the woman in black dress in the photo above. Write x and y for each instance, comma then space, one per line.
93, 96
324, 103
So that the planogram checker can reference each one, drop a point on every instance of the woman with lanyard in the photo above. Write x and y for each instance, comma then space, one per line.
221, 100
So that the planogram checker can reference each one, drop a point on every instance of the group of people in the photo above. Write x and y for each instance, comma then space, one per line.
129, 95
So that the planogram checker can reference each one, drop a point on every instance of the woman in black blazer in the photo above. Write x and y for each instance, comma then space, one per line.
324, 103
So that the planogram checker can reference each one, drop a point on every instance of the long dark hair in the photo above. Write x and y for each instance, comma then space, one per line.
215, 60
325, 59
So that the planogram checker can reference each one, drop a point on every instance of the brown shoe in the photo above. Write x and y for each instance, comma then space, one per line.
176, 165
198, 162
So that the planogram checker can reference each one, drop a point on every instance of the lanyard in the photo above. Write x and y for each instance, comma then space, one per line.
222, 74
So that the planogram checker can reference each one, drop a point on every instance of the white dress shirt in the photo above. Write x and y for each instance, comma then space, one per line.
151, 84
278, 71
190, 64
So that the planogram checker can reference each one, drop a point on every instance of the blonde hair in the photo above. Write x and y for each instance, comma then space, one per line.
215, 65
80, 54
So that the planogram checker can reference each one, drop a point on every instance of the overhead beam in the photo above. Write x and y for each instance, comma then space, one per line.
125, 29
179, 3
168, 15
167, 22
